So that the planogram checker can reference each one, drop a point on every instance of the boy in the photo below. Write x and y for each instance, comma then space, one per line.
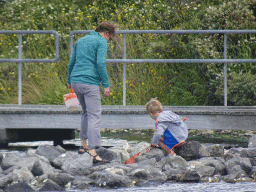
170, 132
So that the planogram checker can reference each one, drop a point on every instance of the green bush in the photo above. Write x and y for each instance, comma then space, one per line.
241, 89
172, 84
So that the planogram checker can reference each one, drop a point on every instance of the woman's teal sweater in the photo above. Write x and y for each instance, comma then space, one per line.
87, 64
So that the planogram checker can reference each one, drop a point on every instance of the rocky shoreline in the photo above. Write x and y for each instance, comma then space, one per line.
53, 168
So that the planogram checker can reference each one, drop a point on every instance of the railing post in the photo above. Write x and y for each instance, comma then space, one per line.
20, 71
225, 71
124, 70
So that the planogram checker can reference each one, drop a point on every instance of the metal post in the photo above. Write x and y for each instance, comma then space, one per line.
225, 71
20, 71
124, 71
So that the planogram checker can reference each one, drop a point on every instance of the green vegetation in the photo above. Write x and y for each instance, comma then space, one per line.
238, 138
172, 84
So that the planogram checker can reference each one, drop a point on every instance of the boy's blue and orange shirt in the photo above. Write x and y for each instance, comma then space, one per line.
87, 64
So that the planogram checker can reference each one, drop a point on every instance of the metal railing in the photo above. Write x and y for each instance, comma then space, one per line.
125, 60
20, 60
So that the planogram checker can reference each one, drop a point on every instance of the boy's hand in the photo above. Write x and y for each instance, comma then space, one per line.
148, 148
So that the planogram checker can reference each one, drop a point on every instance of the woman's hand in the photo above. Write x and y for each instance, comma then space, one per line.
106, 92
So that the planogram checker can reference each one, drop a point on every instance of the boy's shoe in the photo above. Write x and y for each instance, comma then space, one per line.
171, 154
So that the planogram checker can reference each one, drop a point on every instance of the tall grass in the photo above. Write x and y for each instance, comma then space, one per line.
172, 84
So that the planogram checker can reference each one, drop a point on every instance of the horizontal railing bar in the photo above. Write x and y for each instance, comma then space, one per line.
34, 60
170, 31
29, 32
180, 60
29, 60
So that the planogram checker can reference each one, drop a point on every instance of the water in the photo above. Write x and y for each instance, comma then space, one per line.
21, 147
185, 187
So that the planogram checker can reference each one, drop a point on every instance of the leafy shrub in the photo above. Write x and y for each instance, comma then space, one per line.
241, 89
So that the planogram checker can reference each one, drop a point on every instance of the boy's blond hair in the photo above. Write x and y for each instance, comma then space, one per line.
154, 106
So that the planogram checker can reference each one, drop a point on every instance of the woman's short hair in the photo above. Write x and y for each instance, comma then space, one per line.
154, 106
106, 27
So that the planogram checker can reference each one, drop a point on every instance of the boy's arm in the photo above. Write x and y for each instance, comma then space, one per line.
161, 127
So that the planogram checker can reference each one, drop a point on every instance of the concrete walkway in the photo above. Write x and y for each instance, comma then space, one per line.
125, 117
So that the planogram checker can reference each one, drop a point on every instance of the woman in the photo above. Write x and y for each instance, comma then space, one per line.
86, 70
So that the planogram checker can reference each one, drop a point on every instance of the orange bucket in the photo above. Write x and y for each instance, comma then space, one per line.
70, 99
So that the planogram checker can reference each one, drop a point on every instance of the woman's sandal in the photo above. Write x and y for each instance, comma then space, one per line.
82, 150
98, 161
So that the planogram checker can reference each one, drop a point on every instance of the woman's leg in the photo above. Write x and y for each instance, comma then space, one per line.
84, 119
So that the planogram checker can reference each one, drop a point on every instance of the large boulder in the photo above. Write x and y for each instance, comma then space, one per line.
23, 175
41, 168
48, 151
147, 173
17, 161
82, 182
58, 161
232, 165
175, 162
190, 176
110, 180
61, 178
19, 187
140, 147
78, 164
51, 186
107, 154
191, 150
216, 162
154, 153
215, 150
252, 142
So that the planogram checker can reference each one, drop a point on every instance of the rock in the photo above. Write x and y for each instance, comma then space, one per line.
16, 161
11, 159
82, 182
48, 151
229, 178
137, 148
110, 180
175, 162
23, 174
215, 150
252, 174
40, 168
19, 187
60, 149
61, 178
190, 176
205, 171
245, 179
174, 174
117, 171
78, 164
108, 155
5, 180
243, 162
234, 152
122, 156
147, 173
58, 161
252, 142
216, 162
1, 157
155, 153
190, 150
150, 162
51, 186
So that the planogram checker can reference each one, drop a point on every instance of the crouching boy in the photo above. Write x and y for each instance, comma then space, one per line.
171, 131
